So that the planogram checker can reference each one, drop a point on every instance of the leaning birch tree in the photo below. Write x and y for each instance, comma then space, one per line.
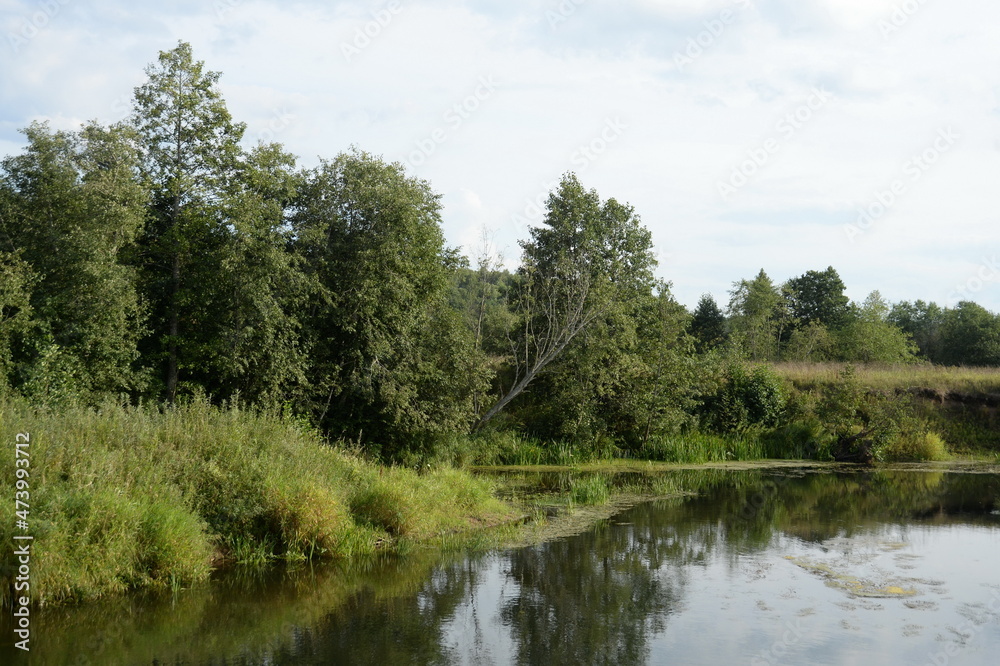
585, 259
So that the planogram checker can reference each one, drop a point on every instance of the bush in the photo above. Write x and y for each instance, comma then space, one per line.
806, 440
916, 447
748, 397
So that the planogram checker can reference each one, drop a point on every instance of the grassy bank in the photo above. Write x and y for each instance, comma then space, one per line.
909, 413
957, 404
891, 377
129, 498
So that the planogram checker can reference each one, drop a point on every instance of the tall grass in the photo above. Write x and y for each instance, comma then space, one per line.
591, 489
125, 498
890, 377
705, 447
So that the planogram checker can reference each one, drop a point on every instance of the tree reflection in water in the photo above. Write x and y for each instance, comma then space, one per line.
616, 594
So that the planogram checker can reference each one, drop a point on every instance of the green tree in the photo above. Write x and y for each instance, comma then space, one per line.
758, 315
16, 282
255, 349
970, 335
812, 342
665, 392
584, 264
923, 322
818, 297
482, 296
73, 213
391, 361
708, 324
190, 156
869, 336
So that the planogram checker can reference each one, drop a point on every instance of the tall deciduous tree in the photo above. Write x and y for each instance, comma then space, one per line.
818, 296
74, 210
970, 336
391, 360
869, 336
924, 323
758, 315
585, 260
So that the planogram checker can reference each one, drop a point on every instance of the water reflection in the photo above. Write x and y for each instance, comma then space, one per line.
756, 568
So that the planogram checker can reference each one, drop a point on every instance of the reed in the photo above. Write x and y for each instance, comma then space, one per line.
139, 497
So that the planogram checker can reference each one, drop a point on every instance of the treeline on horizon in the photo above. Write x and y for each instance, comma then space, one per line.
158, 259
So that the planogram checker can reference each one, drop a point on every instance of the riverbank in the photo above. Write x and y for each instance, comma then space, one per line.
962, 404
127, 498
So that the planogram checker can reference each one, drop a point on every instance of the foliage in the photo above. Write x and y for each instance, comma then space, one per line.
390, 362
970, 336
922, 322
916, 446
72, 214
592, 489
818, 297
16, 282
748, 397
869, 336
708, 324
812, 342
758, 316
131, 498
585, 266
190, 151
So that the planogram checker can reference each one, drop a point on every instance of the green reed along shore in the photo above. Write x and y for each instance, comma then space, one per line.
127, 498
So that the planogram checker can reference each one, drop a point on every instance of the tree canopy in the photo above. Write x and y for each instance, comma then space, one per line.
162, 258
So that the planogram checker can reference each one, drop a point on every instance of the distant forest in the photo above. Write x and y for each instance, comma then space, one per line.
158, 259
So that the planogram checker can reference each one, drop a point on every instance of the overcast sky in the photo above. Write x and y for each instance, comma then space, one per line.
787, 135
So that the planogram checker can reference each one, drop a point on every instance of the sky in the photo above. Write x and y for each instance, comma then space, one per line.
788, 135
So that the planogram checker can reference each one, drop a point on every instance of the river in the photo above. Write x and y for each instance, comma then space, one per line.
811, 565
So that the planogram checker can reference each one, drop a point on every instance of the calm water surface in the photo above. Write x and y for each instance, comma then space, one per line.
760, 567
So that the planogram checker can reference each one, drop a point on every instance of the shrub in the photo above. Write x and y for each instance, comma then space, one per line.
916, 447
748, 397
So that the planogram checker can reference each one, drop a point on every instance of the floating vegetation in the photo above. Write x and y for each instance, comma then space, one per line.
854, 586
